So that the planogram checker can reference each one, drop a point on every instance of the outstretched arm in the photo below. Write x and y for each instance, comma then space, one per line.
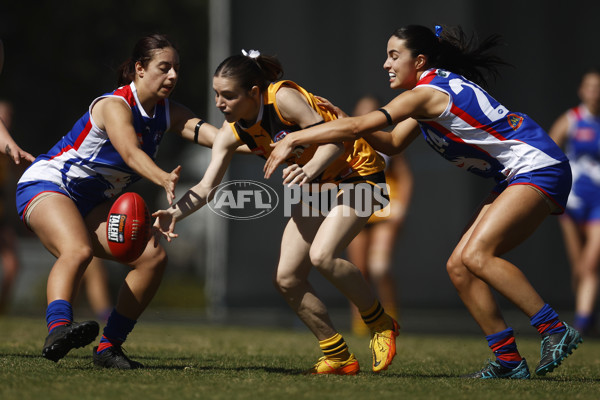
396, 141
114, 116
417, 103
185, 123
324, 155
294, 108
200, 194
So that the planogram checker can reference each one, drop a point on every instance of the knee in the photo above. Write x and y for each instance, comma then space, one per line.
153, 259
379, 266
285, 283
457, 271
474, 259
80, 255
320, 258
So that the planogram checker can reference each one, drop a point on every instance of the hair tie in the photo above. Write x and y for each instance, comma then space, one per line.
252, 53
438, 31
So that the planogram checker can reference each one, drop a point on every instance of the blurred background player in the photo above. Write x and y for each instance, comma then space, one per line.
372, 249
578, 132
8, 245
96, 284
8, 239
7, 144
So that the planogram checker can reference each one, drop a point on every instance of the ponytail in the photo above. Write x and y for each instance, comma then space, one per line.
449, 48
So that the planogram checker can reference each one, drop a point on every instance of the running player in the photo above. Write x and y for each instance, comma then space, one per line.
258, 113
578, 130
8, 238
65, 195
440, 72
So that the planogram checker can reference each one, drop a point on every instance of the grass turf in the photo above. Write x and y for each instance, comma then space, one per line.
186, 361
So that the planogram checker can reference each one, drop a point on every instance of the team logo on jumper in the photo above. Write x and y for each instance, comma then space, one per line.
514, 121
116, 228
280, 135
243, 200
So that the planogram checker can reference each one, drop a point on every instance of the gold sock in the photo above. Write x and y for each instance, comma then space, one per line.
376, 318
335, 348
391, 310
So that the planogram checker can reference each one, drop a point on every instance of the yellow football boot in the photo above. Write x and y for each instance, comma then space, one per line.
327, 366
383, 346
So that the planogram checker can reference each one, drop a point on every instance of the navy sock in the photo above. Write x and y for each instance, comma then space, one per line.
58, 313
504, 346
546, 321
116, 331
583, 323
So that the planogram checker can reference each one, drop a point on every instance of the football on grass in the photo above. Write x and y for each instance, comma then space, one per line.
128, 227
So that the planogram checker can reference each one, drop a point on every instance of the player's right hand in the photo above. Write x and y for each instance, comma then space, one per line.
170, 183
17, 154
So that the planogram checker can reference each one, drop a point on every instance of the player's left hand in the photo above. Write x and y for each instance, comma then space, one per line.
164, 225
295, 175
281, 151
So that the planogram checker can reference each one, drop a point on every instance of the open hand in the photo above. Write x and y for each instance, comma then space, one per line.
170, 183
295, 175
164, 225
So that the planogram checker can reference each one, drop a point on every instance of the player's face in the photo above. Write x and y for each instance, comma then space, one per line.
235, 102
161, 74
589, 91
400, 65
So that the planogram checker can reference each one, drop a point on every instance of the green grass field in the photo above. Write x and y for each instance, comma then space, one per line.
185, 361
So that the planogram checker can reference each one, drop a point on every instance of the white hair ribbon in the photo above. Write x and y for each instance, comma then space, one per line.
251, 53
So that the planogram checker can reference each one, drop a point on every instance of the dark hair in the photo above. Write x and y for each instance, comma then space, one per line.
248, 72
590, 71
454, 51
142, 52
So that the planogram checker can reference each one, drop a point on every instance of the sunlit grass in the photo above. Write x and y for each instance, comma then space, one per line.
185, 361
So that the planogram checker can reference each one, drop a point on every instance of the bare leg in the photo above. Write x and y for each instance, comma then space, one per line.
142, 282
10, 266
499, 226
574, 238
475, 293
96, 287
335, 233
62, 231
291, 276
358, 254
587, 271
380, 264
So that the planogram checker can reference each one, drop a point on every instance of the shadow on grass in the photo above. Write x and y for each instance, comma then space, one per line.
84, 362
